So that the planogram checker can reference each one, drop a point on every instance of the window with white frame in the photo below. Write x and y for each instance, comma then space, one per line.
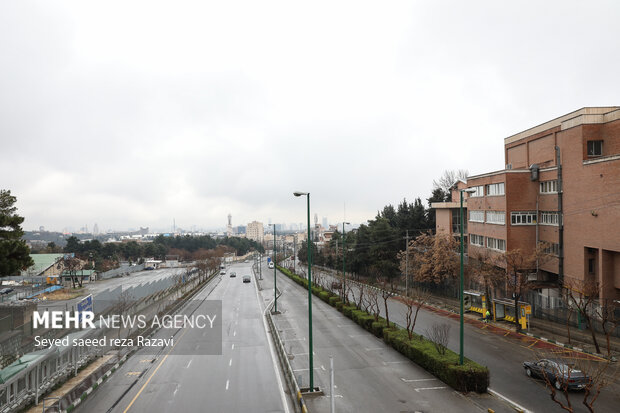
495, 189
549, 218
477, 240
523, 218
549, 187
496, 244
476, 216
496, 217
477, 191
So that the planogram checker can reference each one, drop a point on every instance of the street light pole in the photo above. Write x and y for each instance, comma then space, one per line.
310, 356
275, 295
344, 272
461, 357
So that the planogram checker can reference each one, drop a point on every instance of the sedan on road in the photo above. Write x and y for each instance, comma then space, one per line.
557, 373
233, 274
246, 278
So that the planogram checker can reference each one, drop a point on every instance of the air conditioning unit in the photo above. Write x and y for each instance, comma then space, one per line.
509, 166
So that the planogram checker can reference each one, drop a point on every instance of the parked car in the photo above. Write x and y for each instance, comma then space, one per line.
271, 264
233, 274
558, 373
246, 279
6, 291
223, 272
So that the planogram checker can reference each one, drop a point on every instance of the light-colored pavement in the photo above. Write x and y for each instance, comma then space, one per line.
242, 378
504, 355
369, 375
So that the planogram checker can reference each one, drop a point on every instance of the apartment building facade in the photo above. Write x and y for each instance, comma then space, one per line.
561, 187
255, 231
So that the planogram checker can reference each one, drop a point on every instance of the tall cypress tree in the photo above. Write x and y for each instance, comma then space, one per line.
14, 253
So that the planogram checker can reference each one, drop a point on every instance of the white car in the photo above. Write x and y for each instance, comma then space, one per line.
223, 272
271, 264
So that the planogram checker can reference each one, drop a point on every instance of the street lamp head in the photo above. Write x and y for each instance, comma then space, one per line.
346, 223
297, 193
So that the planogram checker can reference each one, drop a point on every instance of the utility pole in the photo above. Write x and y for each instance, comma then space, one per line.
407, 265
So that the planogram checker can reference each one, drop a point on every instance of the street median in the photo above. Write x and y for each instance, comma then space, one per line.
470, 376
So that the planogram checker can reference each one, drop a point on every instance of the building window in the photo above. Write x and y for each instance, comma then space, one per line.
595, 148
523, 218
496, 244
478, 191
495, 189
477, 240
476, 216
550, 248
591, 266
496, 217
549, 187
549, 218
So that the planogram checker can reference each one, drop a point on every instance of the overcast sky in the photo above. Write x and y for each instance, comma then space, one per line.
132, 113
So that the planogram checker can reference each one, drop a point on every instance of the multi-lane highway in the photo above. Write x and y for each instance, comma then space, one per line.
504, 353
369, 375
244, 377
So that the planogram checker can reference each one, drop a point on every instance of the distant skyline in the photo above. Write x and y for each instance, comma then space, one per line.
131, 114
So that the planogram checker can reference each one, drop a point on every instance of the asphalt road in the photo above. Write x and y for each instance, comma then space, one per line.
504, 356
243, 378
369, 375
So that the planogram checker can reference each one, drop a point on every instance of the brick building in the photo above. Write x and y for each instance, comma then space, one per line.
573, 208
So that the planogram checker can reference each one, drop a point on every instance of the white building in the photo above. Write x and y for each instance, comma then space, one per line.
255, 231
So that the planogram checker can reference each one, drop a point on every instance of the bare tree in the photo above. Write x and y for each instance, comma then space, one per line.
72, 265
561, 370
439, 334
416, 300
372, 299
386, 292
581, 294
518, 265
606, 313
449, 178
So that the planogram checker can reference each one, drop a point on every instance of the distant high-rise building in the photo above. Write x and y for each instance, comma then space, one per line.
255, 231
229, 230
325, 222
95, 229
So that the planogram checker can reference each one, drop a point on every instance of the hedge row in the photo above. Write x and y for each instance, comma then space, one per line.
471, 376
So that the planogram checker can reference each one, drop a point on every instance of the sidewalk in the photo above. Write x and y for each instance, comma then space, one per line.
553, 332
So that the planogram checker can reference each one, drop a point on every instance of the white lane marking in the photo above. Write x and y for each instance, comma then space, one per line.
373, 349
501, 396
188, 364
323, 368
358, 335
429, 388
271, 345
306, 369
235, 333
233, 346
227, 383
176, 389
294, 339
230, 363
414, 380
394, 362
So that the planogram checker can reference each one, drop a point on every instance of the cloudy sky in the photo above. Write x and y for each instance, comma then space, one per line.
132, 113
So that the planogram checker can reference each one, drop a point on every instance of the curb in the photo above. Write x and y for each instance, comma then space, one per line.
101, 379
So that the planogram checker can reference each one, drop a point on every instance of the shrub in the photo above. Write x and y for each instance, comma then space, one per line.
348, 309
324, 295
333, 300
339, 305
